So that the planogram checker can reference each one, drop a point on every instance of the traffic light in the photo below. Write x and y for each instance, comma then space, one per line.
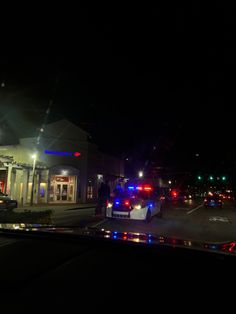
211, 178
223, 178
199, 178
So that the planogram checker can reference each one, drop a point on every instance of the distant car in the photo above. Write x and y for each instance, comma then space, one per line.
213, 201
6, 202
140, 202
228, 196
187, 196
179, 196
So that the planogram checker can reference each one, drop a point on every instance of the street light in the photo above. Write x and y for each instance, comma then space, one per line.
140, 174
169, 182
33, 174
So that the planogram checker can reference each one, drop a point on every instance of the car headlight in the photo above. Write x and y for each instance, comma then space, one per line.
137, 206
1, 201
109, 205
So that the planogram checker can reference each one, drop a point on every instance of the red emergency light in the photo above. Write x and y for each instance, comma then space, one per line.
147, 188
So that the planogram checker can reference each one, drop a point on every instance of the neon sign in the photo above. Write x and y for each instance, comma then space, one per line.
52, 152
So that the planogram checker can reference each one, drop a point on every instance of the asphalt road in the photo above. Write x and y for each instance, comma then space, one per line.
189, 220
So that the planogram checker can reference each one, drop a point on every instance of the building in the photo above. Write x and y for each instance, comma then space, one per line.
68, 167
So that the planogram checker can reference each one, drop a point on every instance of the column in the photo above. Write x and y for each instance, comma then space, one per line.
13, 183
48, 186
25, 186
9, 173
37, 187
83, 187
18, 186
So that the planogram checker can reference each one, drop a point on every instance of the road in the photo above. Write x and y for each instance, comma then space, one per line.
189, 220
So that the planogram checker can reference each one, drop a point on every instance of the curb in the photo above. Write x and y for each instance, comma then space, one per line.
87, 207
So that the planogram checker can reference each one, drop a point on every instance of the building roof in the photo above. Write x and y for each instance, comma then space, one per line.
17, 126
62, 127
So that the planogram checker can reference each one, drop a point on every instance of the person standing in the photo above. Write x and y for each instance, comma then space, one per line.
103, 197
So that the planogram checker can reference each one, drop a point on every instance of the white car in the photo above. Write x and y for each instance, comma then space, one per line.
140, 203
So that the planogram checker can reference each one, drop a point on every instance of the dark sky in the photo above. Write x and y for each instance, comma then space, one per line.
133, 76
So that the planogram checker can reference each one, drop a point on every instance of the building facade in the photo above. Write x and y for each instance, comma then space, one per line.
68, 168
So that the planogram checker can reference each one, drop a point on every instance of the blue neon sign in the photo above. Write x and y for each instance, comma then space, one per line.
71, 154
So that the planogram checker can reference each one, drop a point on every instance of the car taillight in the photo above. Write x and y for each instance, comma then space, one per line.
205, 200
127, 203
174, 193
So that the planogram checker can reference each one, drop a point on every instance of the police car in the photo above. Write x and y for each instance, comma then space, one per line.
140, 202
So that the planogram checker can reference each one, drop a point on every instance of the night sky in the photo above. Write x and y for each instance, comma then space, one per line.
134, 77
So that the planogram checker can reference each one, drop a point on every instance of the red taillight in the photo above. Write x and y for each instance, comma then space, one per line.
127, 203
174, 193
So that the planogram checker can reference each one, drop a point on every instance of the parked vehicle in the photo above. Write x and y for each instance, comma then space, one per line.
6, 202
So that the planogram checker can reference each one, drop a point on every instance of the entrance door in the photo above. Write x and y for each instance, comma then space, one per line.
62, 192
63, 189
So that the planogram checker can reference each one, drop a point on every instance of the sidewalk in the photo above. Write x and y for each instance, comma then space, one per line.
53, 207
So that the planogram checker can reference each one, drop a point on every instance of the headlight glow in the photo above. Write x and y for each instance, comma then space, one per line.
137, 207
109, 205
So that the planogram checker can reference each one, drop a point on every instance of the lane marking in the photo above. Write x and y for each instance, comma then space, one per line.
218, 218
181, 208
4, 242
193, 210
99, 223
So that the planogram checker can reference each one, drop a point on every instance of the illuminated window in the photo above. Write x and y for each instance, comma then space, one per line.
89, 192
42, 189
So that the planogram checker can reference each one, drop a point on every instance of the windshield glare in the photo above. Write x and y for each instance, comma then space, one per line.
132, 133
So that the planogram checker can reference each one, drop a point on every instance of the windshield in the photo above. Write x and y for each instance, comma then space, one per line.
129, 129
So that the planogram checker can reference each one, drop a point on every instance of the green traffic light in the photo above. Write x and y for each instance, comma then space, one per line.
211, 178
223, 178
199, 178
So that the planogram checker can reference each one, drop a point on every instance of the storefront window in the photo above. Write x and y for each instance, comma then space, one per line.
89, 192
2, 180
42, 189
71, 192
1, 186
